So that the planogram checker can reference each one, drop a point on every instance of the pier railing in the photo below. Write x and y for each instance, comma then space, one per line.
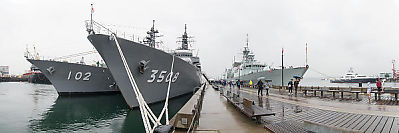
349, 88
187, 118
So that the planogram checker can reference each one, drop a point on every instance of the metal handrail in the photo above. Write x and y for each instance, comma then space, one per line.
198, 108
94, 27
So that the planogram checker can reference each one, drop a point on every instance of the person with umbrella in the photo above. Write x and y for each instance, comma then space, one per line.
290, 86
296, 83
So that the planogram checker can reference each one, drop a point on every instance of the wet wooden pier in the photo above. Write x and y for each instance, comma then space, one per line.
341, 120
312, 114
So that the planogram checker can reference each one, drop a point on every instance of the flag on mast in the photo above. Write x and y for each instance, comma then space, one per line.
92, 9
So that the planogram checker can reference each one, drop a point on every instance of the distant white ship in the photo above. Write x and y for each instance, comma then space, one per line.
351, 77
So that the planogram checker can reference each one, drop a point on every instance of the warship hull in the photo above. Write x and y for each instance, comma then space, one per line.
153, 79
71, 78
274, 75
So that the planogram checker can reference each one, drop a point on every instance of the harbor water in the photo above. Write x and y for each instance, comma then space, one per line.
27, 107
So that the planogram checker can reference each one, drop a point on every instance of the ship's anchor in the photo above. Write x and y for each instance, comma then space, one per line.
51, 70
143, 66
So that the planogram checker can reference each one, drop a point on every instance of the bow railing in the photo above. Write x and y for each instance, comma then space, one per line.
94, 27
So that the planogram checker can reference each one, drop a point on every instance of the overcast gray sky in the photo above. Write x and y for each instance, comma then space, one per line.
363, 34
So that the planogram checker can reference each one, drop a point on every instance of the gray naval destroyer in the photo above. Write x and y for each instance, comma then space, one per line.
150, 67
76, 78
248, 69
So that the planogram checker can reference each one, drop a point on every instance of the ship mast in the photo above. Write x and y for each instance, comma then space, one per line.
151, 35
248, 56
185, 39
245, 52
394, 70
89, 25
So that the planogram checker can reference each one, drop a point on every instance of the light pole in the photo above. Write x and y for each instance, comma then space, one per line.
282, 68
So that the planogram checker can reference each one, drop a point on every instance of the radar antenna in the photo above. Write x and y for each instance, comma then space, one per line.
151, 35
246, 51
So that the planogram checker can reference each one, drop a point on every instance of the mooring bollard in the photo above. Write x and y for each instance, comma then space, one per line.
321, 93
342, 94
333, 94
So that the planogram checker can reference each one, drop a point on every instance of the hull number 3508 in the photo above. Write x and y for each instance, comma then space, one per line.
161, 76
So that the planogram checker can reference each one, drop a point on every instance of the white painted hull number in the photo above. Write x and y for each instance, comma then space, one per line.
79, 76
161, 76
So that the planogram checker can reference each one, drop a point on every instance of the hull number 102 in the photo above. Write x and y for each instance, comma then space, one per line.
79, 76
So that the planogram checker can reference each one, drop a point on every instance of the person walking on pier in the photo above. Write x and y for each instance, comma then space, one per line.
238, 84
290, 86
250, 83
260, 87
379, 84
296, 83
267, 86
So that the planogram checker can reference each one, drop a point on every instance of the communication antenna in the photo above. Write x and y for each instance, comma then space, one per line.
247, 39
394, 69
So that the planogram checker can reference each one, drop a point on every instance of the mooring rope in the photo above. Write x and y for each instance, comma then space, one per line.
192, 122
145, 110
133, 83
165, 107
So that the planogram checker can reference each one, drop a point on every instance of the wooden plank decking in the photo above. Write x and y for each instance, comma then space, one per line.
342, 120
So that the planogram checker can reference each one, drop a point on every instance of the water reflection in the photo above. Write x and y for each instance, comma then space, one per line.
97, 113
260, 101
71, 113
267, 104
133, 121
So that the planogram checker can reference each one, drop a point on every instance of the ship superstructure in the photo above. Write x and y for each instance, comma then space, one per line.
249, 69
